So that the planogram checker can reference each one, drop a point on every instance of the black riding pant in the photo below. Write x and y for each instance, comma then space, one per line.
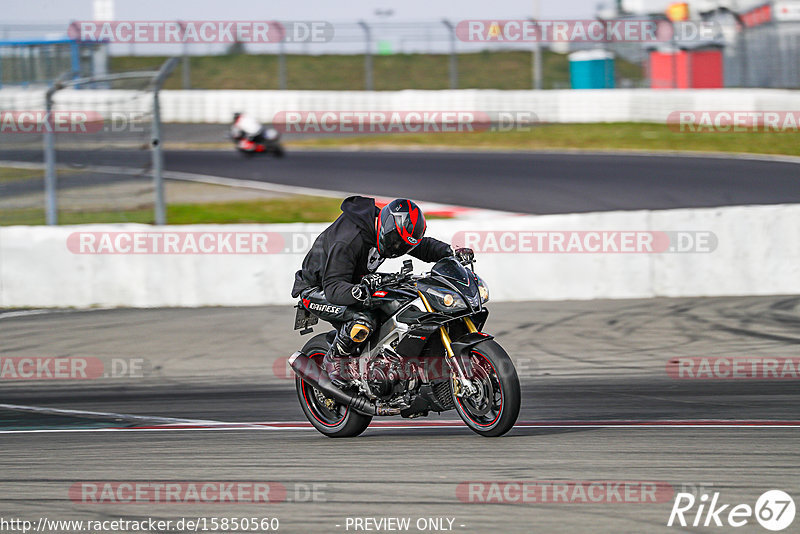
353, 324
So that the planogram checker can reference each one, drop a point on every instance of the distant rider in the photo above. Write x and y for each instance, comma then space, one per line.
245, 126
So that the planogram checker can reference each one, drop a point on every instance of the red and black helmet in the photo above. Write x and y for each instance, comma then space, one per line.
401, 226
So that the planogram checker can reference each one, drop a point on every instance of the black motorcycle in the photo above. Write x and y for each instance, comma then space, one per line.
428, 354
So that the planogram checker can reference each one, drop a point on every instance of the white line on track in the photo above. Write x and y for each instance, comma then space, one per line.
107, 415
22, 313
257, 185
195, 177
167, 424
44, 311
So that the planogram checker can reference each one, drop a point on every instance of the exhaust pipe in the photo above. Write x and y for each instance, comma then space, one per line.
309, 371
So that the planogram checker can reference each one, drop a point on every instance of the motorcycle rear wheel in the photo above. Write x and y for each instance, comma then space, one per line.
329, 417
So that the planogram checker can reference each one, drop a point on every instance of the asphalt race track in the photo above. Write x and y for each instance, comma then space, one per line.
521, 182
598, 405
204, 395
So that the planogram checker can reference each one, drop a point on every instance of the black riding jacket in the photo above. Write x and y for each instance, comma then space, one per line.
347, 250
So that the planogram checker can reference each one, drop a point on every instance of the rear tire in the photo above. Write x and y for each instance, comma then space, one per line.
495, 409
329, 417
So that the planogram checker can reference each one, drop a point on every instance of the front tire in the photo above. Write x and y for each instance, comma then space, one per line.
329, 417
494, 409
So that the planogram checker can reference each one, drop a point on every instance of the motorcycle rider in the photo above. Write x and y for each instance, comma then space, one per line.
245, 126
340, 267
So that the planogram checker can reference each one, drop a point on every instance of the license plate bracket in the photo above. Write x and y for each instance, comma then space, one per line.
304, 320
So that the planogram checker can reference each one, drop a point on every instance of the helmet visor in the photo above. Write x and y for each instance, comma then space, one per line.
393, 245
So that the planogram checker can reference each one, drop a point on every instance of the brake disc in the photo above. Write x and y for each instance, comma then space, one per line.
481, 402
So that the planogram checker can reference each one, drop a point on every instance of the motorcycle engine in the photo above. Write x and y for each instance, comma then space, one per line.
389, 375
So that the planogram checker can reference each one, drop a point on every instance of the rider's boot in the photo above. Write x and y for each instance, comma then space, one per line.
334, 363
345, 347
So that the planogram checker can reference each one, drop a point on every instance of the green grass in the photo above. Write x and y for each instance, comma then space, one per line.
620, 136
277, 210
483, 70
13, 174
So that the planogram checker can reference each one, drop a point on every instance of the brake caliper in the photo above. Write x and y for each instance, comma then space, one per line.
456, 386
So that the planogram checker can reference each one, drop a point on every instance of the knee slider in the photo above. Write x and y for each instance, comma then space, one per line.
359, 332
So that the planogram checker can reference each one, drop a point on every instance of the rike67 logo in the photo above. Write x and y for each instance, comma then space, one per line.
774, 510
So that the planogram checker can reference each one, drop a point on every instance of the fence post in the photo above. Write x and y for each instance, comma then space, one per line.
155, 143
185, 66
158, 163
282, 82
742, 51
51, 206
536, 66
453, 58
367, 55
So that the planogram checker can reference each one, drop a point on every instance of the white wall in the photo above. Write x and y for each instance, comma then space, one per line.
598, 105
758, 253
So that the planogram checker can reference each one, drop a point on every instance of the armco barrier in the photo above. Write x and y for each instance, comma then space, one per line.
591, 105
757, 252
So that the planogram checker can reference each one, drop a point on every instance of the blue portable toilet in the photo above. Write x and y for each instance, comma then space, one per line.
591, 69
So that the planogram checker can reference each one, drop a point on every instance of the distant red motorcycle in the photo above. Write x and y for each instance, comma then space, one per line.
251, 137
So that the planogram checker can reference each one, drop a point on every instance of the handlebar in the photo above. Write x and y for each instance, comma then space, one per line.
388, 279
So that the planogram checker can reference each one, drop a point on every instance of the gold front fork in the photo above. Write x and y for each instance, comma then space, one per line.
445, 336
449, 348
470, 325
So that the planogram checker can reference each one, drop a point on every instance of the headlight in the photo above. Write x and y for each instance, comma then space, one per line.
483, 289
272, 134
444, 300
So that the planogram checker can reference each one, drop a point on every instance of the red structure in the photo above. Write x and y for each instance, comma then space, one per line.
686, 69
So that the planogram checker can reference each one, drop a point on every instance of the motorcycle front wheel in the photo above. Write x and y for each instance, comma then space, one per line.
494, 409
329, 417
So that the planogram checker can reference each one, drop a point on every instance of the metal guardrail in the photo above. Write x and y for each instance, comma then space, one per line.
66, 80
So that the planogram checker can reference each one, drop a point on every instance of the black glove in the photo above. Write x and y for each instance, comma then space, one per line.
360, 292
464, 255
369, 283
372, 281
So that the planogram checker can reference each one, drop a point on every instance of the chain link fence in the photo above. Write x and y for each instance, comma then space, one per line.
766, 54
80, 143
